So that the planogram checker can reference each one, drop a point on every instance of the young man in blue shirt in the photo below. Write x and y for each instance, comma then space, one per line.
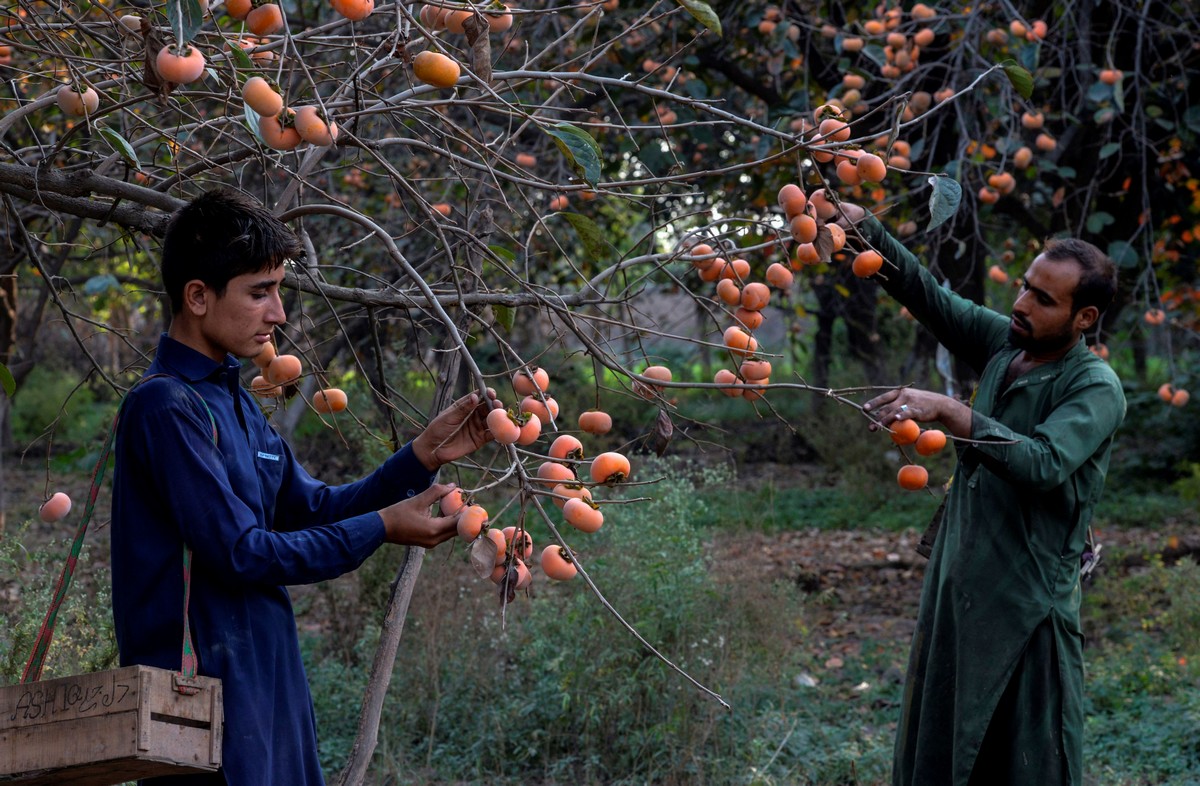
253, 519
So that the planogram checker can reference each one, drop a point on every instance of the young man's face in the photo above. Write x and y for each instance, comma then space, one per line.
240, 321
1043, 317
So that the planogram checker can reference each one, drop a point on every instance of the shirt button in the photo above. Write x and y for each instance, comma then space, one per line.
410, 493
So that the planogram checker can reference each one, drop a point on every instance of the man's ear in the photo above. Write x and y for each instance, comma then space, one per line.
196, 297
1086, 317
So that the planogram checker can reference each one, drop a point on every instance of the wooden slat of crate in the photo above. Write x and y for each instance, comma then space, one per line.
108, 727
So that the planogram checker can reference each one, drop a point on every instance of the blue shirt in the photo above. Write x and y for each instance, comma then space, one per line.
255, 521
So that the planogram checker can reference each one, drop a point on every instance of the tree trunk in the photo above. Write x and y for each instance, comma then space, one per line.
355, 771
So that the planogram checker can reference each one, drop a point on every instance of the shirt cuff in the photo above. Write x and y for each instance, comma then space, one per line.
408, 473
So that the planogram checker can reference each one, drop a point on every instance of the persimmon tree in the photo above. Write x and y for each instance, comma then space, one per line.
484, 191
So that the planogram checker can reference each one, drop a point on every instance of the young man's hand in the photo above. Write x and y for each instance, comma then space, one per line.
408, 522
458, 430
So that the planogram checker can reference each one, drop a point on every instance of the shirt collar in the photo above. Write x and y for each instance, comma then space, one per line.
190, 365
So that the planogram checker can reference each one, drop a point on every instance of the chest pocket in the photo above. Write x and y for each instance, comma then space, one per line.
269, 462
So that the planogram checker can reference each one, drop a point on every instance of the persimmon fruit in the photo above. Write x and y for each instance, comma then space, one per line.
611, 467
77, 104
520, 545
566, 491
871, 168
264, 388
905, 432
504, 428
471, 519
556, 564
595, 421
530, 430
552, 473
238, 9
329, 400
354, 10
180, 67
277, 131
755, 296
452, 502
497, 537
930, 442
779, 276
867, 263
313, 127
728, 292
436, 69
727, 377
284, 369
739, 342
261, 97
583, 515
912, 477
266, 19
547, 411
567, 447
750, 320
755, 370
56, 508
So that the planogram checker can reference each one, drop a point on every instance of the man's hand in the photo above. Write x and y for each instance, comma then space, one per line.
850, 215
921, 406
459, 429
408, 523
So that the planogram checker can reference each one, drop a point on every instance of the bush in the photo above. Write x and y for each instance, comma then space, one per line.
83, 640
50, 401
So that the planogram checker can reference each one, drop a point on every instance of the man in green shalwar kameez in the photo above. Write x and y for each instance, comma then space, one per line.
994, 691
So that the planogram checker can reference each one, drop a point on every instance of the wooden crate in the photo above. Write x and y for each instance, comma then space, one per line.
107, 728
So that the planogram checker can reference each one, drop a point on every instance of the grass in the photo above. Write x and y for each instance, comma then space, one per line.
555, 692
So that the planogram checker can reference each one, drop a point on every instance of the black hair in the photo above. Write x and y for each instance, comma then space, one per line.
1098, 277
218, 236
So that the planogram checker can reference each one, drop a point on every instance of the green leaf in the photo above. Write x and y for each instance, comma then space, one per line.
1029, 57
703, 13
99, 284
241, 60
589, 234
1123, 254
1022, 80
6, 381
185, 18
505, 316
252, 119
1191, 118
580, 149
1099, 92
875, 54
121, 145
943, 204
1109, 149
1097, 221
506, 254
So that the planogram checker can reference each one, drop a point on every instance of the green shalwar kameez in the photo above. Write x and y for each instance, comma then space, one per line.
1000, 604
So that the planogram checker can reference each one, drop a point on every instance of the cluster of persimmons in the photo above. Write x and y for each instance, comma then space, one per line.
559, 477
280, 126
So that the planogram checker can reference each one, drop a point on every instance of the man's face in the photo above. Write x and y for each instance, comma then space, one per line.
1043, 318
240, 321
